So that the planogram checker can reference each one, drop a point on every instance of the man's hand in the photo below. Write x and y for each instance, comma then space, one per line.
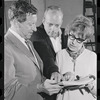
49, 87
56, 76
56, 33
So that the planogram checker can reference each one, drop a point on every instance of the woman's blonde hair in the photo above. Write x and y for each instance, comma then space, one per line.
81, 25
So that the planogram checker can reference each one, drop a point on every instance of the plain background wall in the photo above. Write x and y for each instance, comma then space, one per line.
40, 5
6, 20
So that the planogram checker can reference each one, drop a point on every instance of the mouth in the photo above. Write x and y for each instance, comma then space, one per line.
72, 46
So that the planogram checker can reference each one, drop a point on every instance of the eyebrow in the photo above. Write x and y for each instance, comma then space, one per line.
77, 38
53, 24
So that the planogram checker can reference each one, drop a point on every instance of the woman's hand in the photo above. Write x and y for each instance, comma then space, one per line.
68, 76
92, 87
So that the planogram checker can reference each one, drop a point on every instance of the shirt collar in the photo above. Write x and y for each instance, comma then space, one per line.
17, 35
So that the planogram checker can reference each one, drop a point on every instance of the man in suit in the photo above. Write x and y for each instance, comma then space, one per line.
49, 39
23, 70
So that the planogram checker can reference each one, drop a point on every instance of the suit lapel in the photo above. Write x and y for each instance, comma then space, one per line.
46, 38
63, 38
20, 45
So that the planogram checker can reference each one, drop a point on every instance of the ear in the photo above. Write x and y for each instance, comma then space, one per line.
18, 24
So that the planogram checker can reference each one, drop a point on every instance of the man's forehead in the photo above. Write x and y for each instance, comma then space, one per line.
54, 22
28, 16
31, 17
54, 19
52, 14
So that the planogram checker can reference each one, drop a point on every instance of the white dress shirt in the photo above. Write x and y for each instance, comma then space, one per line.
56, 43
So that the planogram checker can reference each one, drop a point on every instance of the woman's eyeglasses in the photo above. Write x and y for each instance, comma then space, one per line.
72, 37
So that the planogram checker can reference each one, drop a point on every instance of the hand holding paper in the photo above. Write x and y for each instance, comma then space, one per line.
81, 82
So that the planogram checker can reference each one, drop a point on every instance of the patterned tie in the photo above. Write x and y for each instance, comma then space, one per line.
31, 50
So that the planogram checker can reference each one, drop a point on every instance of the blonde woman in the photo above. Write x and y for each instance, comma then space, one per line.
78, 63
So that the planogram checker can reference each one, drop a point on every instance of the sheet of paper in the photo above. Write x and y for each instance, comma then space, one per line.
80, 82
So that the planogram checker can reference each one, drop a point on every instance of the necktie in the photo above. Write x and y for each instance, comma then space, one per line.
31, 50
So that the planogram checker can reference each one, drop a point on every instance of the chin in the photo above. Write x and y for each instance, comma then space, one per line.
73, 49
28, 37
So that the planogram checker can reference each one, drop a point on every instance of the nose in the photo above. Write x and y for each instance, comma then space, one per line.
74, 41
53, 28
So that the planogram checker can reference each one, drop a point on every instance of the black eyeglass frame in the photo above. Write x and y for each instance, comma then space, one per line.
72, 37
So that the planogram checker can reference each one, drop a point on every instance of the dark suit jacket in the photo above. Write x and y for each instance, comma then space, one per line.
44, 47
21, 71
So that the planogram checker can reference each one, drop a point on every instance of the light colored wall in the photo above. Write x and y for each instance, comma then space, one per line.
71, 8
7, 4
40, 5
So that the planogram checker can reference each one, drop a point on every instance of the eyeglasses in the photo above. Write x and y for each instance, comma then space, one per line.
72, 37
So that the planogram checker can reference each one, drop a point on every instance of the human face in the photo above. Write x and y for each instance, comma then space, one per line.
74, 42
52, 23
27, 27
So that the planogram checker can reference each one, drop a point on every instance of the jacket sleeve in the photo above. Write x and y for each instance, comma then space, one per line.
47, 58
11, 83
13, 88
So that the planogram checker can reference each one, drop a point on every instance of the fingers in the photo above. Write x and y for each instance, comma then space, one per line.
59, 78
61, 83
56, 76
69, 76
51, 87
53, 76
56, 86
53, 91
51, 84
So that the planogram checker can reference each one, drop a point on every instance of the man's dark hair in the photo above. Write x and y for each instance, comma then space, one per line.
19, 9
